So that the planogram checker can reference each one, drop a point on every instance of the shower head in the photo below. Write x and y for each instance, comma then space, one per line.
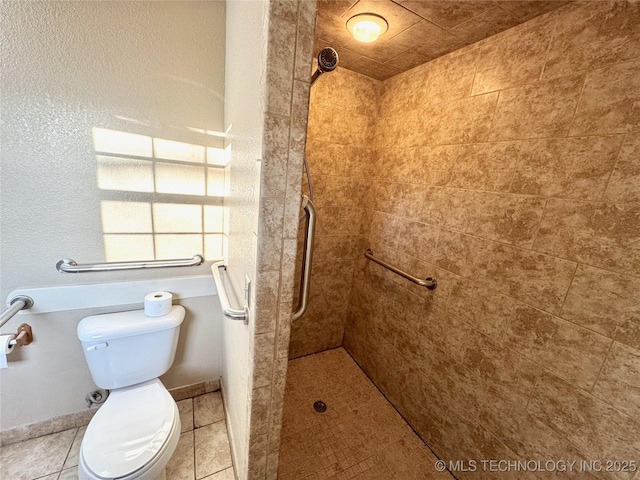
327, 62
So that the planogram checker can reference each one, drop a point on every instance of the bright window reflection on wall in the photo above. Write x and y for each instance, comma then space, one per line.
162, 199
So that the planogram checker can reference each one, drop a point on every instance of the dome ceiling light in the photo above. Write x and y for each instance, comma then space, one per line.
367, 27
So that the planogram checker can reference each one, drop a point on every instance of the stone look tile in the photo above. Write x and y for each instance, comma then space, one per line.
624, 185
618, 383
74, 453
598, 234
490, 22
36, 457
609, 101
212, 452
223, 475
264, 352
511, 219
69, 474
485, 166
280, 68
486, 310
570, 168
185, 407
571, 352
580, 45
181, 464
544, 109
207, 409
512, 60
594, 427
605, 302
467, 120
188, 391
539, 280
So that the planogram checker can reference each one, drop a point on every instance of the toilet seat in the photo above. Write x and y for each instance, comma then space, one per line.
130, 431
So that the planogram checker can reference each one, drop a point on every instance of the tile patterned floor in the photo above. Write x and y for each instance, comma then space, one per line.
202, 452
360, 436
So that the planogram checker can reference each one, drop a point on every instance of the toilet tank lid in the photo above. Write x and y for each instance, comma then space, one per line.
125, 324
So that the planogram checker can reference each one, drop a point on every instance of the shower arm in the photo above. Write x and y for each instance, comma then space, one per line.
307, 258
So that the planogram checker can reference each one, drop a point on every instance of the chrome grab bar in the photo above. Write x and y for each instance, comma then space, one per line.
224, 300
429, 282
16, 304
307, 258
66, 265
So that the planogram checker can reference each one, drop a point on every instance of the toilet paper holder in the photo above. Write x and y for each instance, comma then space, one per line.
24, 336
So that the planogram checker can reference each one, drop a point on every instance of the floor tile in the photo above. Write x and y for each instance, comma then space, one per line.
185, 407
181, 465
207, 409
37, 457
359, 436
69, 474
74, 453
223, 475
212, 451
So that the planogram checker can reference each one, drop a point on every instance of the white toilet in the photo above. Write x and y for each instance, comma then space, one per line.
135, 432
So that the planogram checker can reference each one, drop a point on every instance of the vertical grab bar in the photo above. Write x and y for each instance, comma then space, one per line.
307, 258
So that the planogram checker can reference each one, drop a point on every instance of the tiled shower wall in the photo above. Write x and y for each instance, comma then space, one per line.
510, 171
342, 113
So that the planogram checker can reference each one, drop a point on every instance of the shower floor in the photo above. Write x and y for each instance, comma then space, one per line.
360, 436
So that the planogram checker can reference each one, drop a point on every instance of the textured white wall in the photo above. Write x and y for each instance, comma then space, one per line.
150, 68
244, 114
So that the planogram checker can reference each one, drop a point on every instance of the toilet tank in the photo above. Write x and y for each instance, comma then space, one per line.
128, 348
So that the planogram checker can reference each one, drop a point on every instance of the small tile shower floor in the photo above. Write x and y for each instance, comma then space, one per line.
360, 436
202, 451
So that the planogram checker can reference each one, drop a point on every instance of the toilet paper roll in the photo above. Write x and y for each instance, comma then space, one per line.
6, 348
157, 304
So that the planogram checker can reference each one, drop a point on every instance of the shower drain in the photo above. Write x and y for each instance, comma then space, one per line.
319, 406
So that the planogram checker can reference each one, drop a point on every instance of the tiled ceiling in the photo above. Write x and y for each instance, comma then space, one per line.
419, 30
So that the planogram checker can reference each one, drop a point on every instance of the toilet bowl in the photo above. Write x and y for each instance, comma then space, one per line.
133, 435
135, 432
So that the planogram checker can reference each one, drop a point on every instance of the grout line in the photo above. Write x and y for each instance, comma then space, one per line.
575, 111
535, 235
615, 166
601, 368
564, 299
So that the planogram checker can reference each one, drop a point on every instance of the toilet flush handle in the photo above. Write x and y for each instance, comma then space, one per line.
97, 346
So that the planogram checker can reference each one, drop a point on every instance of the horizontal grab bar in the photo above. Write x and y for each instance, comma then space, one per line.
429, 282
66, 265
16, 304
224, 300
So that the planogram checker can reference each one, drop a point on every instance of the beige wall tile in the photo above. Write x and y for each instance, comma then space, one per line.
624, 185
598, 234
544, 109
281, 51
485, 166
513, 60
486, 310
511, 219
619, 382
608, 101
597, 429
467, 120
606, 302
568, 350
579, 43
536, 279
569, 167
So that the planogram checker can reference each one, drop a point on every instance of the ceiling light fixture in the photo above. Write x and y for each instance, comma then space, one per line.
367, 27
